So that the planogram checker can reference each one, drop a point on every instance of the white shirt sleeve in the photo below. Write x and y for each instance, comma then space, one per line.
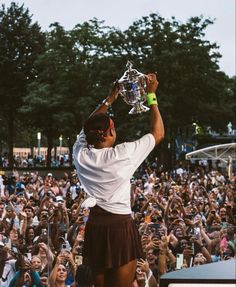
140, 149
80, 143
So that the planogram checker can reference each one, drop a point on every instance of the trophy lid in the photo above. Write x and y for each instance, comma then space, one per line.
130, 74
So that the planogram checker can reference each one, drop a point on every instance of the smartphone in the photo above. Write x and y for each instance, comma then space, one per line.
64, 247
29, 255
17, 209
7, 243
192, 247
78, 260
197, 232
14, 250
179, 260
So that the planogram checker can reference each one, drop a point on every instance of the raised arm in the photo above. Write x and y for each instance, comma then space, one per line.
157, 127
108, 101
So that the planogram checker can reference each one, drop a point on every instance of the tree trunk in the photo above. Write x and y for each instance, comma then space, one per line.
70, 146
10, 141
50, 146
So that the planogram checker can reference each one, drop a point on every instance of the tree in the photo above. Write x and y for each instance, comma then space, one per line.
192, 88
47, 94
20, 43
78, 66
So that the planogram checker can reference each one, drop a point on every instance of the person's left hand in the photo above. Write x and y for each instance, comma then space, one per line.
152, 83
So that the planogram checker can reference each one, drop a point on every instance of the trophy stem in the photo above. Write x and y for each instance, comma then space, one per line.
138, 108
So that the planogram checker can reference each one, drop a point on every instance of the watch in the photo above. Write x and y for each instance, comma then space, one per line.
105, 102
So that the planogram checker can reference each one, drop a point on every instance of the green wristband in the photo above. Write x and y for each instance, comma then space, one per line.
151, 99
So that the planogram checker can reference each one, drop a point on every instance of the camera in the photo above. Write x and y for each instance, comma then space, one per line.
65, 247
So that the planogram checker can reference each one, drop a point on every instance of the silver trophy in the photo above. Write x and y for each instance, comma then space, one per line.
133, 89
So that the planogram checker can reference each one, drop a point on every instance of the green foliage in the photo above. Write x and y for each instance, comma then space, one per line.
20, 43
70, 72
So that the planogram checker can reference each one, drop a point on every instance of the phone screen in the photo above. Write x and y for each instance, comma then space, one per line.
78, 260
179, 260
197, 232
17, 209
8, 243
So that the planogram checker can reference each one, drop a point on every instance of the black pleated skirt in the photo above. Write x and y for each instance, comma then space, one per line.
111, 240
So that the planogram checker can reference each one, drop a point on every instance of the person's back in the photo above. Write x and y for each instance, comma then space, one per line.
112, 243
112, 167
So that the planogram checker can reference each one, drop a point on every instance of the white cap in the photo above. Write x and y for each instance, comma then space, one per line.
49, 174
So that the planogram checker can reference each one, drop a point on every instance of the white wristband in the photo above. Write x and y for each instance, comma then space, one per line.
105, 102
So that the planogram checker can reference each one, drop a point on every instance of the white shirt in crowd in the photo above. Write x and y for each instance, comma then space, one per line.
9, 271
105, 173
148, 187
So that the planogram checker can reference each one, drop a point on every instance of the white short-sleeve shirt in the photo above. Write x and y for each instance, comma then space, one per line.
105, 173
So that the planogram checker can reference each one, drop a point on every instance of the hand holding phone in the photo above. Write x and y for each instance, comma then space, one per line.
78, 260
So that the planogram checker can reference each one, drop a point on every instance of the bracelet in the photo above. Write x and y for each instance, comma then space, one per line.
151, 99
105, 102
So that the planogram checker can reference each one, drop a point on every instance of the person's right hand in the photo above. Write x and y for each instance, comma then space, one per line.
152, 83
115, 89
43, 246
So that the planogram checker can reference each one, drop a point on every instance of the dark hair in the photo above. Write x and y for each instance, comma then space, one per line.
95, 128
27, 234
28, 207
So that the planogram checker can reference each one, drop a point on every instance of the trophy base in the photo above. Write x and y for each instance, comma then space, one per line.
138, 109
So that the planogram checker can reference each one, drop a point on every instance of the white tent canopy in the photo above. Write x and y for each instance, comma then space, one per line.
226, 153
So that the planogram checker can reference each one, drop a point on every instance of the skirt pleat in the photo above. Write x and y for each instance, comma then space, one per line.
111, 240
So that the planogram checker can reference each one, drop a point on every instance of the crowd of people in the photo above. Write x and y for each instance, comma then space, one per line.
119, 223
29, 161
184, 218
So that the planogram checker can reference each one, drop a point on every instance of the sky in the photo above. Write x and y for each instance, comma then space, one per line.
122, 13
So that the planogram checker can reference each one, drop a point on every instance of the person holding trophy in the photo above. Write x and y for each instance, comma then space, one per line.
112, 243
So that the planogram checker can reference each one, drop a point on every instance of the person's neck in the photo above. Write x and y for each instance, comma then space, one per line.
60, 284
29, 220
101, 145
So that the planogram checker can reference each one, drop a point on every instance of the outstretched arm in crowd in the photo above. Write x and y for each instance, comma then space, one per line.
178, 201
152, 200
167, 210
48, 251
